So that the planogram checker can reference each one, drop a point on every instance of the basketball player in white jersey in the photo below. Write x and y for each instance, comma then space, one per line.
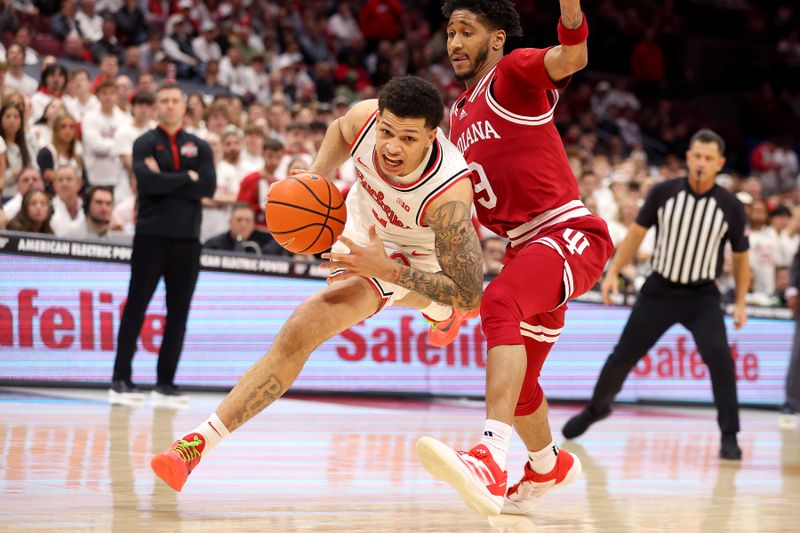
409, 240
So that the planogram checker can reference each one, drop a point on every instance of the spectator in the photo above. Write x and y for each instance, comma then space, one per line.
236, 75
298, 144
205, 46
15, 76
52, 85
242, 235
178, 47
166, 241
75, 53
89, 23
781, 221
131, 23
131, 60
146, 83
124, 93
344, 26
109, 70
253, 152
142, 106
41, 134
103, 166
230, 172
98, 203
17, 152
29, 180
108, 44
22, 37
254, 187
381, 19
34, 215
79, 99
68, 213
63, 150
195, 112
764, 251
148, 51
217, 118
494, 249
65, 22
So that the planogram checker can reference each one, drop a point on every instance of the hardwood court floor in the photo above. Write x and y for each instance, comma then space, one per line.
69, 461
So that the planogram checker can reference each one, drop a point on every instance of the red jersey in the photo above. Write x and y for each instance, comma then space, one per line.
504, 127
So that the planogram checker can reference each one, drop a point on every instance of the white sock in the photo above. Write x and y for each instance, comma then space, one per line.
496, 437
212, 431
438, 312
544, 461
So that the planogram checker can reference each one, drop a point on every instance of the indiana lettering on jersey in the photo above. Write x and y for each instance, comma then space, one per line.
378, 196
478, 131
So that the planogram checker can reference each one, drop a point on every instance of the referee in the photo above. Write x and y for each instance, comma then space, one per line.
174, 170
693, 218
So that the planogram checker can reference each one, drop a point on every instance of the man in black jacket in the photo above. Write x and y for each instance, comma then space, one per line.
243, 236
174, 170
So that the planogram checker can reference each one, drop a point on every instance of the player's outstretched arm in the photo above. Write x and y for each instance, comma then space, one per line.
572, 54
335, 148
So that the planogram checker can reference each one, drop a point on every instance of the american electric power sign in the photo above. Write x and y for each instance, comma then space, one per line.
60, 305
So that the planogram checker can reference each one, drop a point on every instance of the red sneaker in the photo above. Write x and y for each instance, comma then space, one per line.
174, 464
521, 498
474, 474
444, 332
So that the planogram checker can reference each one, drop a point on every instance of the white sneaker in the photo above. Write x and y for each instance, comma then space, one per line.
474, 474
521, 498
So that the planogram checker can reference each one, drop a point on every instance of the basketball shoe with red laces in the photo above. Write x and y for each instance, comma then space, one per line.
474, 474
444, 332
174, 464
521, 498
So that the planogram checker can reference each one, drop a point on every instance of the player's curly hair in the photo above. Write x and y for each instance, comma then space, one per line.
494, 14
412, 97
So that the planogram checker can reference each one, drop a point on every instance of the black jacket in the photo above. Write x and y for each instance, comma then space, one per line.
265, 242
169, 201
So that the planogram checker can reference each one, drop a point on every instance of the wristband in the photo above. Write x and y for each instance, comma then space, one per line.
573, 36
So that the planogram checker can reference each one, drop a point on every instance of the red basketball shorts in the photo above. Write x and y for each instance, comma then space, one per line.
526, 303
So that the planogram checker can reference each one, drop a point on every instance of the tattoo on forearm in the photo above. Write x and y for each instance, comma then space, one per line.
458, 250
265, 394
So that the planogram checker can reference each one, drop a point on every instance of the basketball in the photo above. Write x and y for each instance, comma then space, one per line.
305, 214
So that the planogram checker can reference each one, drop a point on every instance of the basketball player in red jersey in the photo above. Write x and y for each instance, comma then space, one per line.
525, 191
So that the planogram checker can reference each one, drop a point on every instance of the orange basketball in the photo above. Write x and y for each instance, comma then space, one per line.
305, 213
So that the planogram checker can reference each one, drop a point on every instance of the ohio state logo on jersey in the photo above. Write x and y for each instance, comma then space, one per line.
189, 150
378, 196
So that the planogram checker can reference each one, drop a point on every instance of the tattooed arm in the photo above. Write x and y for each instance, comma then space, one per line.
460, 282
458, 249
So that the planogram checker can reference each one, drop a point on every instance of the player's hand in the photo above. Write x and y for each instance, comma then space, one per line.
610, 285
193, 175
151, 164
369, 261
739, 316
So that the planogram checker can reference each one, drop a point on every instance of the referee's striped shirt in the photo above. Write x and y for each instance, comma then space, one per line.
691, 230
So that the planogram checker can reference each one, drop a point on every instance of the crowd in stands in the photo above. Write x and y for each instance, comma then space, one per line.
266, 77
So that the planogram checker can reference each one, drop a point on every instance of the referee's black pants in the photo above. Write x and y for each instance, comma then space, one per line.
178, 261
660, 306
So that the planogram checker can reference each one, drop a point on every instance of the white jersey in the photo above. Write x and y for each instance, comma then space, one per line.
397, 208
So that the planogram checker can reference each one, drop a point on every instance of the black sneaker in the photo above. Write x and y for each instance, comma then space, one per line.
169, 394
730, 448
124, 392
578, 424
